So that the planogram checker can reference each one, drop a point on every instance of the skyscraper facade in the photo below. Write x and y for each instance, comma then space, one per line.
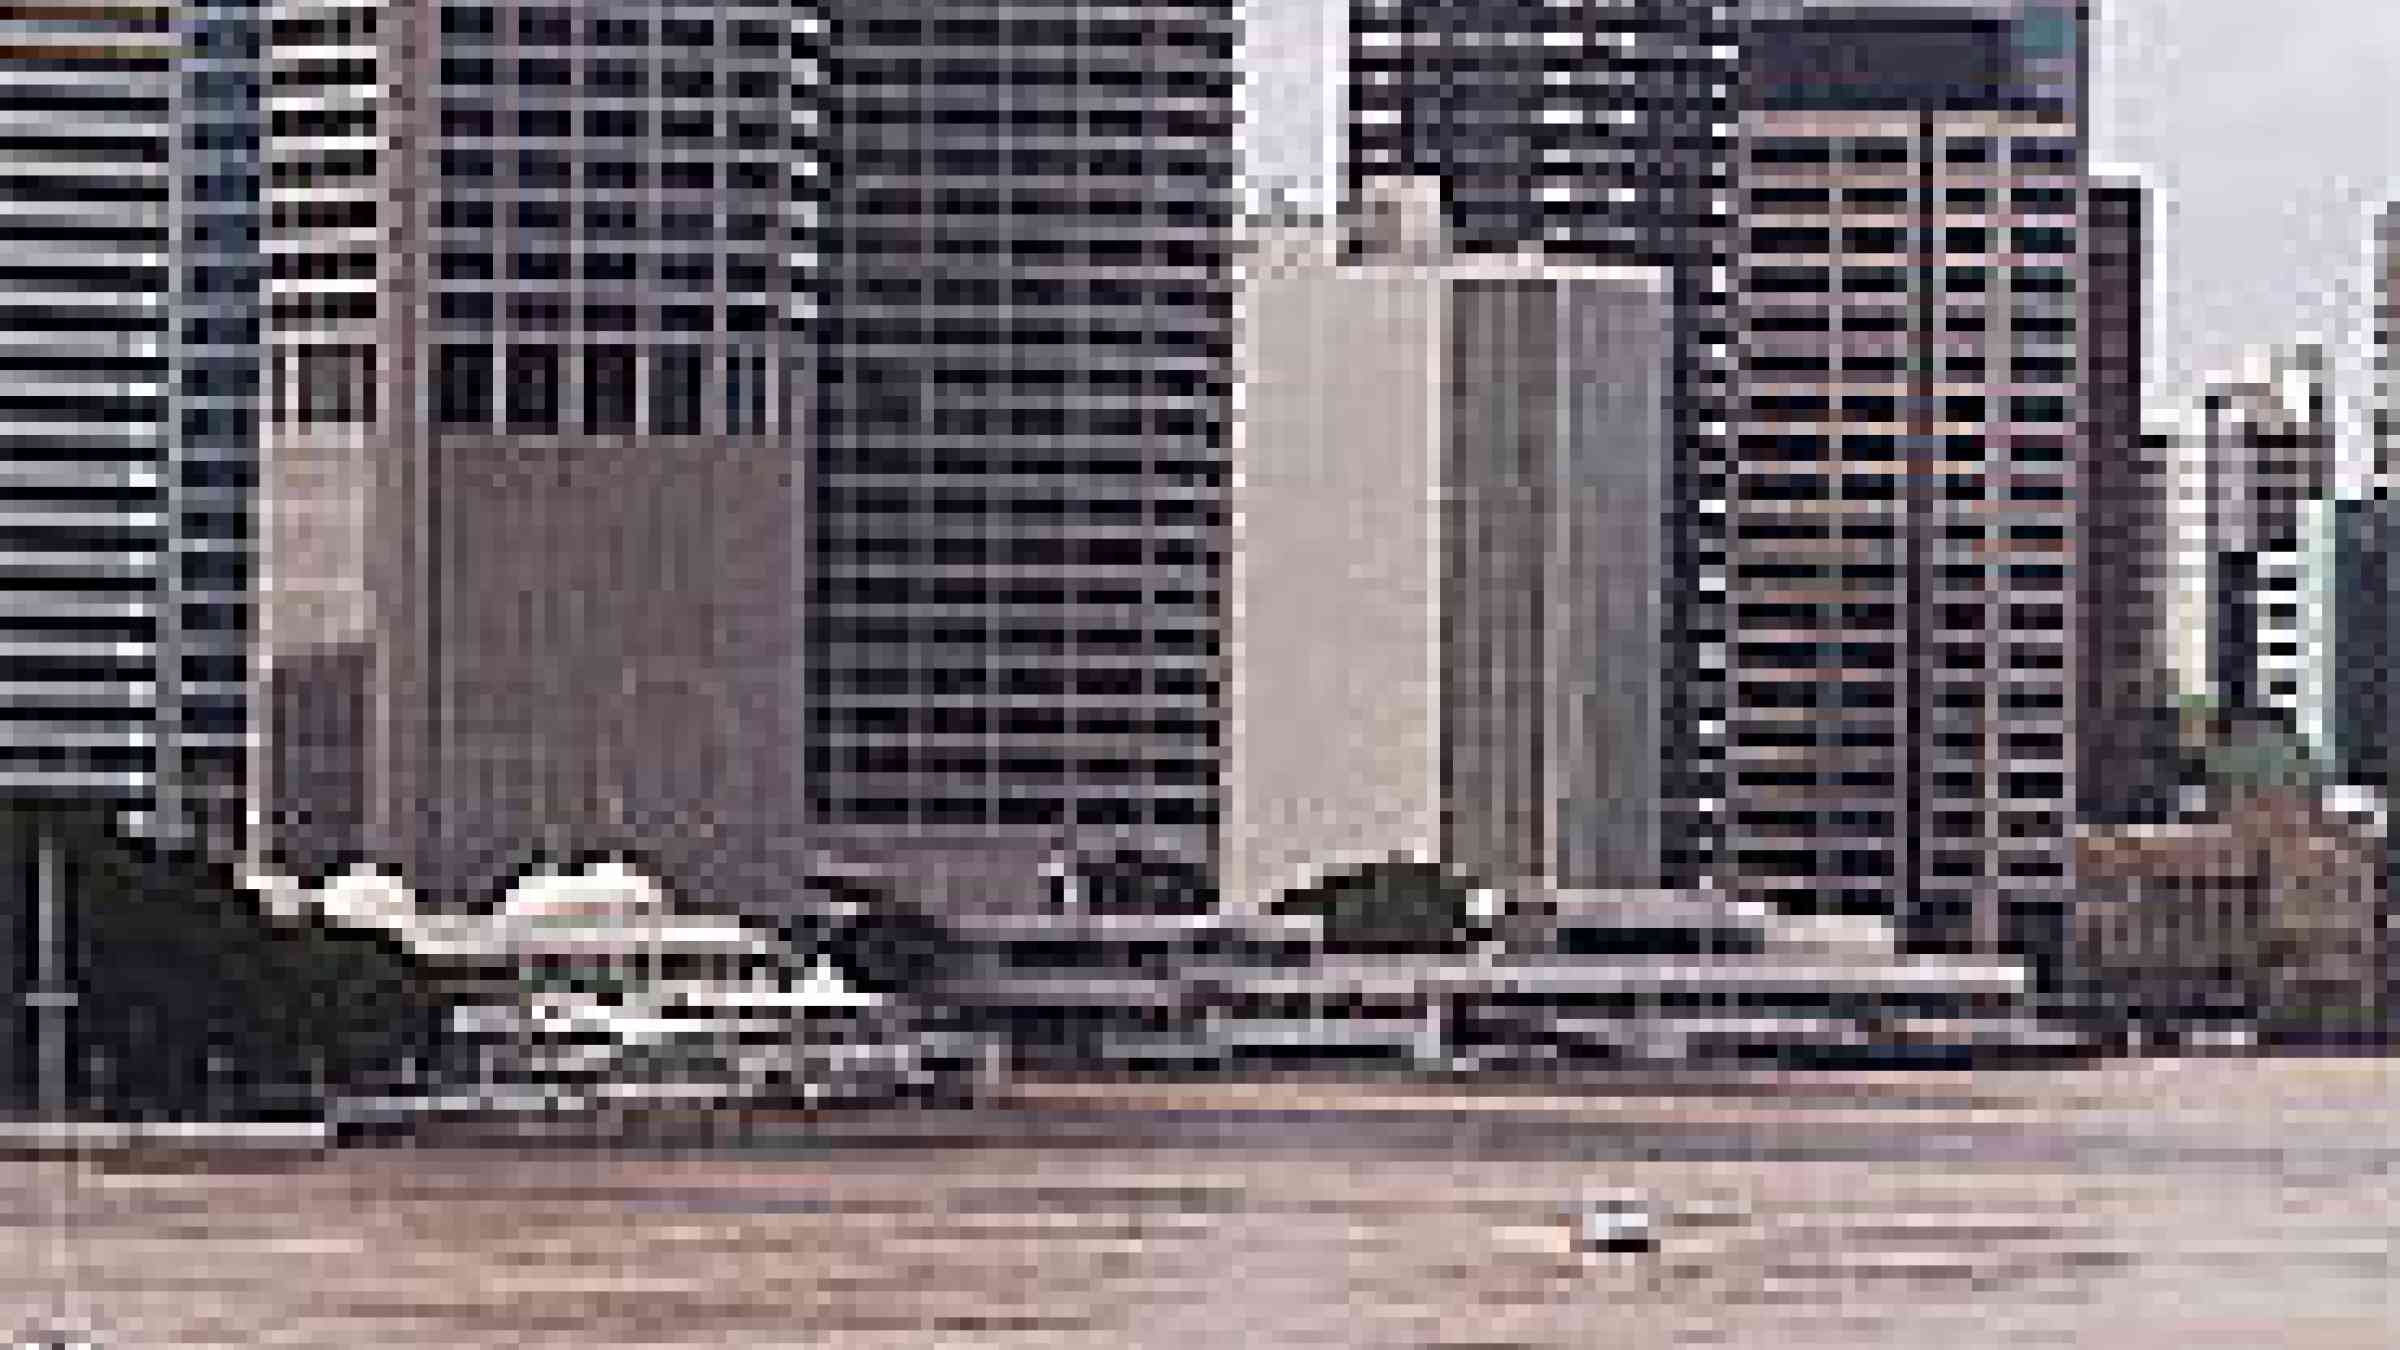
127, 183
2384, 283
2366, 608
1594, 131
1016, 513
219, 308
2268, 440
2348, 641
541, 337
327, 153
2368, 753
1903, 548
1596, 134
2124, 527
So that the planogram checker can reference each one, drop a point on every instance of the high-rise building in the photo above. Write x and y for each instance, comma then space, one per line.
2362, 604
1598, 134
1446, 577
1902, 528
220, 368
2268, 441
541, 341
326, 229
127, 186
2384, 267
1016, 515
2346, 606
2367, 754
2125, 527
1596, 131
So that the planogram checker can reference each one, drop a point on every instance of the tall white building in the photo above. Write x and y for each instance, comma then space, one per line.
2268, 443
1445, 609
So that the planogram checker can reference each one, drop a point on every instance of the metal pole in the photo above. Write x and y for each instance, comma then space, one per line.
1432, 1028
52, 996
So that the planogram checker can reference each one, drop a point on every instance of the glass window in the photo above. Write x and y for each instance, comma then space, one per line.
533, 389
608, 388
675, 390
463, 385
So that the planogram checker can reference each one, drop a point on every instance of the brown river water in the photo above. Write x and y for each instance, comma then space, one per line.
2177, 1205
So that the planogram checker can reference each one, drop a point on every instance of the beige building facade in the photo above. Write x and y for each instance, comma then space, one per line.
1448, 493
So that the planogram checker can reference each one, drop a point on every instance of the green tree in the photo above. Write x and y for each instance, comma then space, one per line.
883, 945
2262, 760
1396, 905
189, 995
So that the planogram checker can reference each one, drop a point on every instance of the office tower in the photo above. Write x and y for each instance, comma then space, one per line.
540, 366
1593, 130
220, 277
1446, 575
125, 419
2126, 738
2366, 621
2346, 643
2267, 436
1902, 541
1599, 134
2384, 417
2352, 576
2367, 756
2143, 781
1016, 515
328, 229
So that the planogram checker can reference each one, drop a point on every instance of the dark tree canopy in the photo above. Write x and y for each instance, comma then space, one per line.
889, 947
188, 996
1397, 906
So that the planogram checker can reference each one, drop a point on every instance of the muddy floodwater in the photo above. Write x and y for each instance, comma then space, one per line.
2172, 1205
